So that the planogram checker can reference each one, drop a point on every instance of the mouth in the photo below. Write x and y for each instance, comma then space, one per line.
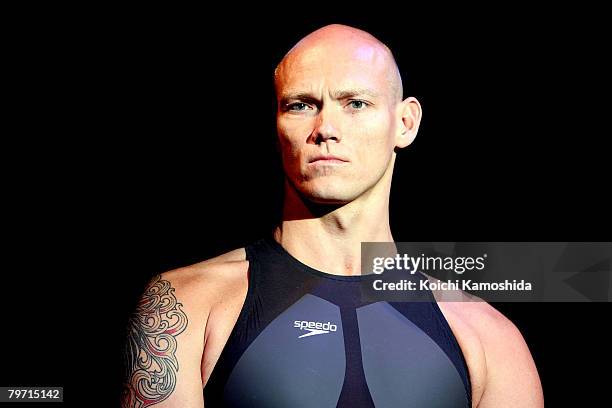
328, 159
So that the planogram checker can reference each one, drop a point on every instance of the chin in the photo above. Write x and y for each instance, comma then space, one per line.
328, 200
327, 194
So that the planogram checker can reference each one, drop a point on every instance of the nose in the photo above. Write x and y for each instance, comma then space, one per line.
325, 127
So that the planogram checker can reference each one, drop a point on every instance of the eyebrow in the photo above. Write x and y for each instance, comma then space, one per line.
299, 96
349, 93
342, 94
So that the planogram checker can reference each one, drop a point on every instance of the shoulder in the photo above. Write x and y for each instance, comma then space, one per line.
205, 283
494, 330
508, 376
486, 321
512, 377
497, 334
193, 291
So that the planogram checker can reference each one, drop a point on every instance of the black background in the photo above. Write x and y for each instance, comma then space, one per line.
140, 140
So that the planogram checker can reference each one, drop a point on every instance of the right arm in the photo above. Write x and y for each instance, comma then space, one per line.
164, 345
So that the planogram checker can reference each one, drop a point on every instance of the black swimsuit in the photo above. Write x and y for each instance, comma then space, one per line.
305, 338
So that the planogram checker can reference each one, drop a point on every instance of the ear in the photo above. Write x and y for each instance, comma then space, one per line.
410, 114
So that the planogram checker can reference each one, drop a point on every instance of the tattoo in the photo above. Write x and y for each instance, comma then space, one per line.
150, 350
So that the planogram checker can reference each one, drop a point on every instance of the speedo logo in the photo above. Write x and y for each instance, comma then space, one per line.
314, 328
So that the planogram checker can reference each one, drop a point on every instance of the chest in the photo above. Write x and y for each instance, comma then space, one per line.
316, 353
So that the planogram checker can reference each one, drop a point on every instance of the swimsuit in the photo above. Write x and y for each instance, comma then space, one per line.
306, 338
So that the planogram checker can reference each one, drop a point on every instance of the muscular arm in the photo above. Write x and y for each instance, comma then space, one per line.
163, 349
502, 370
512, 378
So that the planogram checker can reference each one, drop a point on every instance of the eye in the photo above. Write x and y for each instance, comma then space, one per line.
298, 106
358, 105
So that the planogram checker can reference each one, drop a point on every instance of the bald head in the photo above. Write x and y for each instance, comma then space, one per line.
335, 47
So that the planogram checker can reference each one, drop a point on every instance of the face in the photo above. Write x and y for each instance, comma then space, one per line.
336, 120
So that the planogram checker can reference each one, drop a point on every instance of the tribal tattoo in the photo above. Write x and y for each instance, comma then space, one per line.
150, 350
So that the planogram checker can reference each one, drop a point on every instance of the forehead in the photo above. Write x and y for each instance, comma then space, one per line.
334, 66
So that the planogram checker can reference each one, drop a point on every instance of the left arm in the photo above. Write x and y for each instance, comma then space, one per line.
512, 378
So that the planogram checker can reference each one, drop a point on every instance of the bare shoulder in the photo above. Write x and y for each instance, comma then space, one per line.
512, 377
483, 319
205, 283
494, 330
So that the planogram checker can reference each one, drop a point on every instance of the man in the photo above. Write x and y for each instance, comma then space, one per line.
282, 323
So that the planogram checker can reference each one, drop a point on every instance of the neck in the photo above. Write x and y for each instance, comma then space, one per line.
328, 237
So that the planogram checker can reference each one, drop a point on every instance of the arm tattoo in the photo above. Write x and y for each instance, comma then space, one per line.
150, 350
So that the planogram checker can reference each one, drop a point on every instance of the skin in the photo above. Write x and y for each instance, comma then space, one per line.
339, 92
